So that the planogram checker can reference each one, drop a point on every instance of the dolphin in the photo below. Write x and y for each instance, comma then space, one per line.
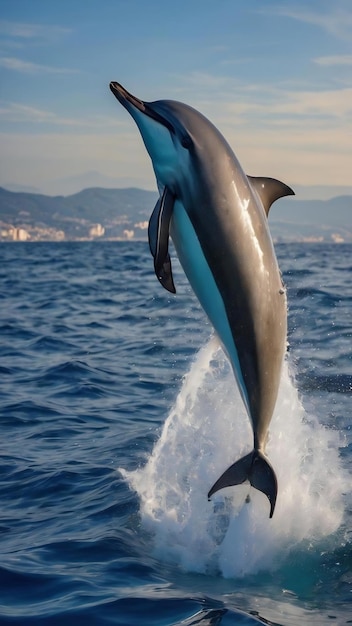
216, 216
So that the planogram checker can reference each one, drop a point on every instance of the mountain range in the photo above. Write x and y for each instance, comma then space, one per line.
70, 185
124, 213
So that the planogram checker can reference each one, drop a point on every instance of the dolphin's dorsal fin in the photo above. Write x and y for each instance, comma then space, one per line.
269, 190
158, 235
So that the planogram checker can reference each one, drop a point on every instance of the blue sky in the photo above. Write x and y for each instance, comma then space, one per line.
275, 77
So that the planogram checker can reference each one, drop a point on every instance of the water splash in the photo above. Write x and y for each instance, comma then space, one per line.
206, 431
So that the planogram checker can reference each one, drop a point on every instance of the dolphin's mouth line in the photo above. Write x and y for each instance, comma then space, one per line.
123, 96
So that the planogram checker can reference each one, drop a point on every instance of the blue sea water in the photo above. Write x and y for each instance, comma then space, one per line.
118, 412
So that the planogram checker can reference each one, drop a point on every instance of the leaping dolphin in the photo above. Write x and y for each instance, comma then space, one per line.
217, 219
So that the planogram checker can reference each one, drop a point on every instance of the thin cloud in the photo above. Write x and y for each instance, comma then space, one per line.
337, 21
22, 30
16, 112
326, 103
27, 67
225, 97
330, 61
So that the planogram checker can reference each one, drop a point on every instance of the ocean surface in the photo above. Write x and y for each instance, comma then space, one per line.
118, 412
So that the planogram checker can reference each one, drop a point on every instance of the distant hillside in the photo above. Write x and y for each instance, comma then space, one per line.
329, 220
124, 213
118, 211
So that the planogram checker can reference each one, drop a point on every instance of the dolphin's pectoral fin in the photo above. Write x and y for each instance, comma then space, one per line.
255, 468
164, 275
269, 190
158, 235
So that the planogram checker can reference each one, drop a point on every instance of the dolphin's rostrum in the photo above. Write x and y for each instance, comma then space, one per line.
217, 219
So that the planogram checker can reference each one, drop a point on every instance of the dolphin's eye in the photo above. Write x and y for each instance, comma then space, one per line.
187, 142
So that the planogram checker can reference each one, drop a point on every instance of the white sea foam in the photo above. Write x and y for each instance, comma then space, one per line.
206, 431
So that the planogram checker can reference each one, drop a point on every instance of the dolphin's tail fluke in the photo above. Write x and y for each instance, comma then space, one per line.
255, 468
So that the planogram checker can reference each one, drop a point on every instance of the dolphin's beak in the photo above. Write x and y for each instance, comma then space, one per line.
126, 98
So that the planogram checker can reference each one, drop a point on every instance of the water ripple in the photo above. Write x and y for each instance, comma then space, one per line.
93, 355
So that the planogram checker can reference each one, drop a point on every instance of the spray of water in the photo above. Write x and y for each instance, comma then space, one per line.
206, 431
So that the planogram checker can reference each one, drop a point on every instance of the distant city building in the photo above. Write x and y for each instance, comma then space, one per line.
337, 238
20, 234
97, 230
142, 225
